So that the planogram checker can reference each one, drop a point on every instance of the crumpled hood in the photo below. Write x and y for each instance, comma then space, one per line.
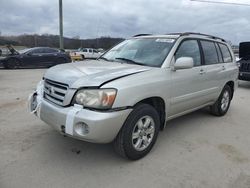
91, 72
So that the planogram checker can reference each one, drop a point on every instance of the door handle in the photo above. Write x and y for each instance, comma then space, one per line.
202, 71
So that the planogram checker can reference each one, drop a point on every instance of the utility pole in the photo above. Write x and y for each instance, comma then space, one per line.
61, 24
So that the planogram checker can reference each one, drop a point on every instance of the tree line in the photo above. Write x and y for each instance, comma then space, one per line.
53, 41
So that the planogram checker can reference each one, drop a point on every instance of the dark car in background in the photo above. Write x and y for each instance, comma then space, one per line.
244, 62
34, 57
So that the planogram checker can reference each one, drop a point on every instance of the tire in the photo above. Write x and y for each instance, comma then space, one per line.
221, 106
144, 139
83, 57
12, 63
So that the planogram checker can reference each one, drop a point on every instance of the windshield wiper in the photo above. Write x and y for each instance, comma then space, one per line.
103, 58
129, 60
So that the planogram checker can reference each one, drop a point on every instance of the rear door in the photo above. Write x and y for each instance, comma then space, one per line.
188, 85
90, 53
229, 68
214, 69
50, 56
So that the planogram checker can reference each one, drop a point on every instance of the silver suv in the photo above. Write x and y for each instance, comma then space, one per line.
129, 93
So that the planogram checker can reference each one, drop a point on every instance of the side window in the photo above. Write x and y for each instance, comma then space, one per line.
226, 53
210, 53
90, 50
219, 53
50, 50
84, 50
189, 48
37, 51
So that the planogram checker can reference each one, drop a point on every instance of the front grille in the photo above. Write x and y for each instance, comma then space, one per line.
55, 92
245, 66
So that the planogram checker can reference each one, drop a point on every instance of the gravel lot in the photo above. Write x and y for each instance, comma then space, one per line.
196, 150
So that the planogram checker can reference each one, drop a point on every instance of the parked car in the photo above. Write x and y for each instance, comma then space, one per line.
88, 53
128, 94
244, 62
34, 57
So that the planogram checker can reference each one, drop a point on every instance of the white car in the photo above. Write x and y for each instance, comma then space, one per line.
88, 53
130, 93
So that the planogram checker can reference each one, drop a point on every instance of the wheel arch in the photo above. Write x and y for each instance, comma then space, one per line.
231, 85
5, 62
159, 104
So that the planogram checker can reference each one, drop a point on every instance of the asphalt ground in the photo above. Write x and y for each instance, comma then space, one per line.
196, 150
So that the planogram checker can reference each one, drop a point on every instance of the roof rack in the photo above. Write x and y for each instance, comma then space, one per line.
138, 35
193, 33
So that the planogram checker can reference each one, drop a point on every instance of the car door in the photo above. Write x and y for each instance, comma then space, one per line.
50, 56
33, 58
95, 53
188, 85
90, 53
213, 68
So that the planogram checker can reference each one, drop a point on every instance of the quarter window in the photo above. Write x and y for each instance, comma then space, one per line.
210, 53
219, 53
225, 53
189, 48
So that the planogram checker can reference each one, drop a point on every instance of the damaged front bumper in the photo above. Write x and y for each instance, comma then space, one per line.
76, 121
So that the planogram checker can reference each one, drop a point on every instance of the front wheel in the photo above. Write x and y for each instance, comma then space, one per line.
12, 63
221, 106
139, 132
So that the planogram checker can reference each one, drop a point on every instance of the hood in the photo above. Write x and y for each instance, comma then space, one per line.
91, 73
12, 50
244, 50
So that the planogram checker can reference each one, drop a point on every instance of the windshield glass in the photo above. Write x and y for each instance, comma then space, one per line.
144, 51
23, 51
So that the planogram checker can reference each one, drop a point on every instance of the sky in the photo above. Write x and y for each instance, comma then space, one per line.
125, 18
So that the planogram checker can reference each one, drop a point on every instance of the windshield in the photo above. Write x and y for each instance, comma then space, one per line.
23, 51
143, 51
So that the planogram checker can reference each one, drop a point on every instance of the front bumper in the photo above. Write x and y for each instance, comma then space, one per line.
102, 127
244, 76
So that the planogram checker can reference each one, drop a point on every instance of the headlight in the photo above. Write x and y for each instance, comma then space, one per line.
96, 98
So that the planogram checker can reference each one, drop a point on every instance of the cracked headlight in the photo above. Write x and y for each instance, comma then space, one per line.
96, 98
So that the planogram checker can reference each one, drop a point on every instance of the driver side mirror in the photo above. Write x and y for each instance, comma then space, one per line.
184, 63
30, 53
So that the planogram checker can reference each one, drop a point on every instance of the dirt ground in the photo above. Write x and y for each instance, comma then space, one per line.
194, 151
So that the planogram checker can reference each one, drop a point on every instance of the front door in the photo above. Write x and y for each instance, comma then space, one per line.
188, 85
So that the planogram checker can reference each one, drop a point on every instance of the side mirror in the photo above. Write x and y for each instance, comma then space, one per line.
184, 63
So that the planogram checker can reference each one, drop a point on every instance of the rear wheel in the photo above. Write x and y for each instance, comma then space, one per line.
221, 106
139, 133
83, 57
12, 63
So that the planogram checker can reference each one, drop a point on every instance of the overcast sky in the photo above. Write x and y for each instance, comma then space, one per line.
124, 18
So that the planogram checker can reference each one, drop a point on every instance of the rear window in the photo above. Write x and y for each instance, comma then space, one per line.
225, 53
210, 53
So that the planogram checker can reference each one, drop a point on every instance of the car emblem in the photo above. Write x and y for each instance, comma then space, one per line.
50, 90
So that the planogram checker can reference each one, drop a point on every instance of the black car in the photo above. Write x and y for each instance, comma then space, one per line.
34, 57
244, 62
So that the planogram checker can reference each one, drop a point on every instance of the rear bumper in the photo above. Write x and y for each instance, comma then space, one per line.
244, 76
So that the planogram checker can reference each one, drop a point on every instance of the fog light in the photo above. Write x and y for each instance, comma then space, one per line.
81, 128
